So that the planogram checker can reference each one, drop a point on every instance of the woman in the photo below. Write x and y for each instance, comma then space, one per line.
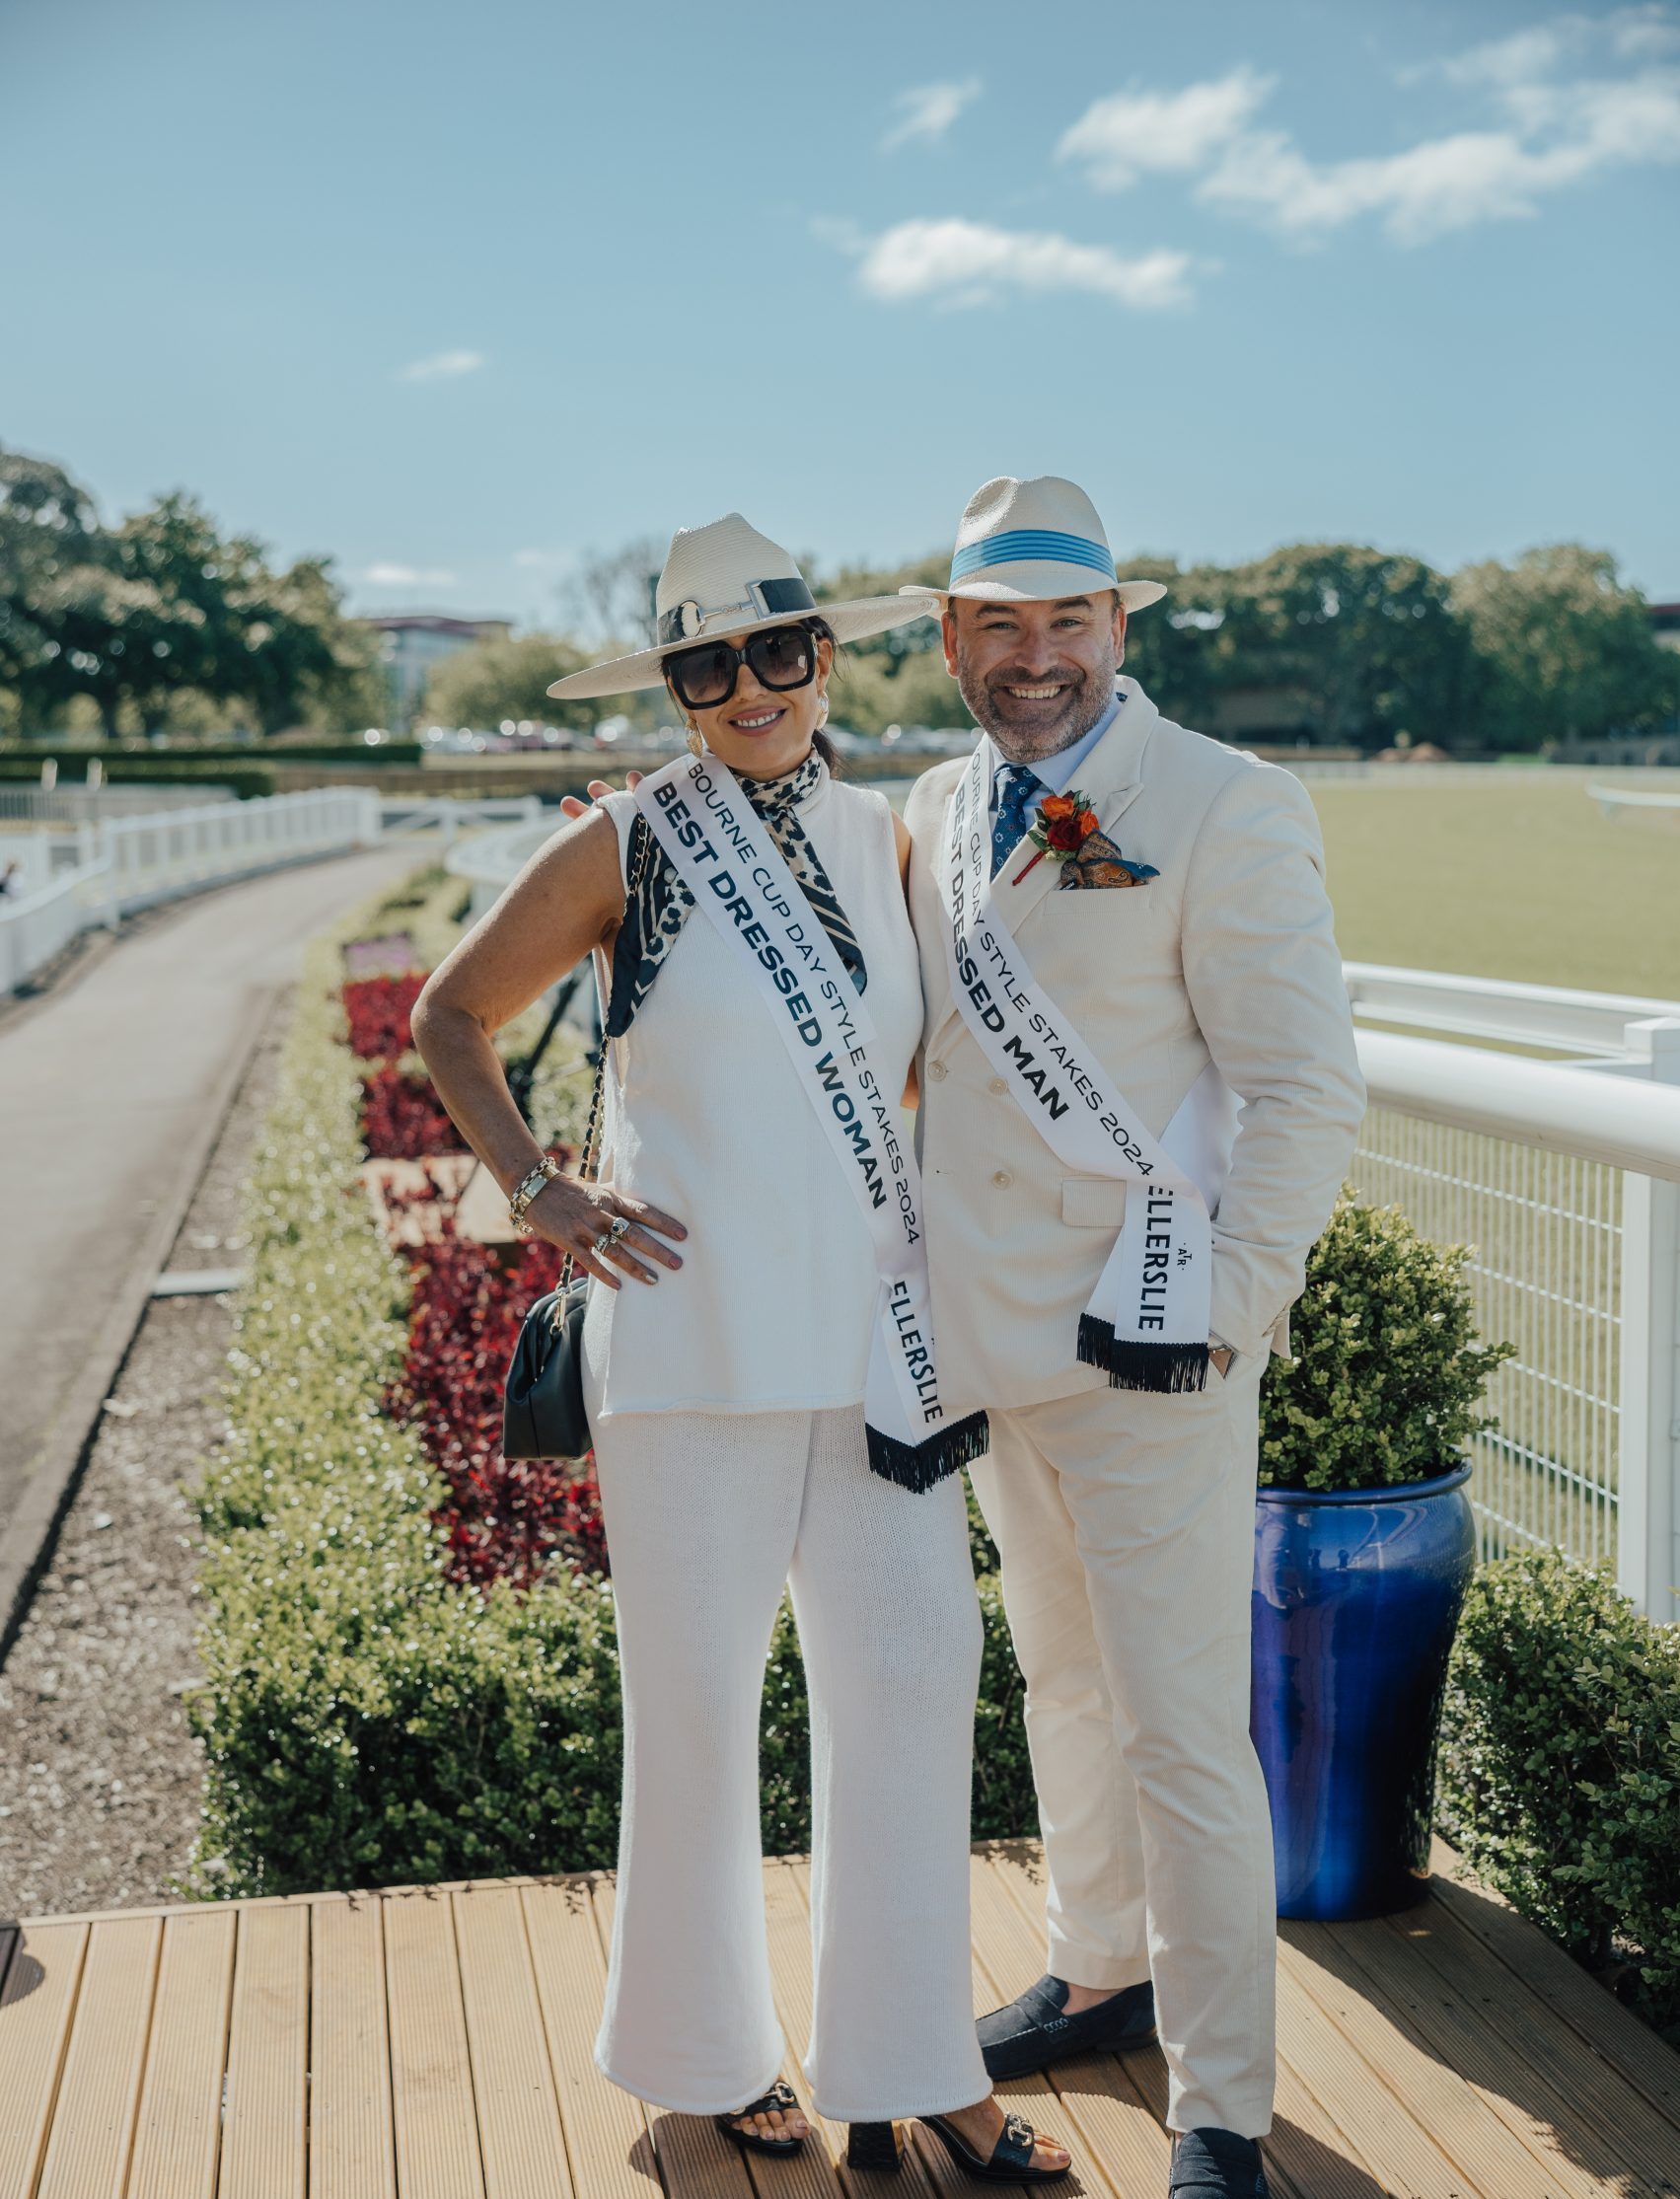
726, 1384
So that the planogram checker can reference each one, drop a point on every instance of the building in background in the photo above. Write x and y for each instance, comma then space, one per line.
410, 642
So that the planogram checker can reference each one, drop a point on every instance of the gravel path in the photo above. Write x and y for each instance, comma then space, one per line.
99, 1775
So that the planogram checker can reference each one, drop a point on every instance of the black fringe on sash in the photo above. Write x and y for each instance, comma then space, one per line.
924, 1466
1169, 1369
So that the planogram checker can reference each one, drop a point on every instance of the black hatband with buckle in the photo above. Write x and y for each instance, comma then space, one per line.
771, 599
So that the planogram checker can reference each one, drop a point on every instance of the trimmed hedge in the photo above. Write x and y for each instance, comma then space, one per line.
1561, 1767
246, 778
364, 1723
223, 751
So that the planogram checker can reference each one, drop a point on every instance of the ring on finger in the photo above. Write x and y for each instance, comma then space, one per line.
602, 1244
621, 1228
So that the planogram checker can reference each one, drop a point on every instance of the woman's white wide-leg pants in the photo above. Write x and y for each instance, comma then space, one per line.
707, 1515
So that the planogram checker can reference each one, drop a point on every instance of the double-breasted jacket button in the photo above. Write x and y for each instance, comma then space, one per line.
936, 1070
997, 1085
1002, 1178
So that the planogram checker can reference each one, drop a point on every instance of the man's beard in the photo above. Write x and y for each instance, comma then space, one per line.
1026, 735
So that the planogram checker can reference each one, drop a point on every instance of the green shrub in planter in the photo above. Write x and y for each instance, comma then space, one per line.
1561, 1766
1387, 1371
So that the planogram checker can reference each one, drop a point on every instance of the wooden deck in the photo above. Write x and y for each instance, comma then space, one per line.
434, 2043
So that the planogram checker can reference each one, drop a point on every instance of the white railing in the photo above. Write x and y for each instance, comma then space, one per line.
489, 860
1611, 800
1554, 1018
131, 863
1522, 771
33, 928
452, 814
78, 805
1566, 1181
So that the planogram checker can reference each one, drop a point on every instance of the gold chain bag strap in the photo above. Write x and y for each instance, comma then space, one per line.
542, 1409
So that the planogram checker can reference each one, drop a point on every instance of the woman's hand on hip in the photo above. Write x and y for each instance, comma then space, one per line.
608, 1233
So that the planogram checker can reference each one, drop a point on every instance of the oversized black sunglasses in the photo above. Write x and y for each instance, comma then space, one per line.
781, 658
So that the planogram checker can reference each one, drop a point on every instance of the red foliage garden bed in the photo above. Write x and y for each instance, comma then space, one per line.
505, 1520
378, 1012
505, 1517
402, 1118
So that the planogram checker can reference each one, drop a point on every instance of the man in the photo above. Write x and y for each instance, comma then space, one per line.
1113, 1251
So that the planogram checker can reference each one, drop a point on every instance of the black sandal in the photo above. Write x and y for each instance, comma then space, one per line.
1011, 2161
780, 2095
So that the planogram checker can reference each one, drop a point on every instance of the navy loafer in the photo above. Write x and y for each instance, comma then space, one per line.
1033, 2031
1211, 2164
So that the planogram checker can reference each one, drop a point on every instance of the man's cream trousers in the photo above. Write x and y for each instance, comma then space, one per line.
1126, 1524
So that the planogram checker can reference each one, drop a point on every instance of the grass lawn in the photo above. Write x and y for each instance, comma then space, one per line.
1529, 881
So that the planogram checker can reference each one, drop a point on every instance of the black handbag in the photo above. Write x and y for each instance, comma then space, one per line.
543, 1409
543, 1415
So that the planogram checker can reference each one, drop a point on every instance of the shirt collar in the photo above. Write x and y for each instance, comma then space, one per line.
1058, 773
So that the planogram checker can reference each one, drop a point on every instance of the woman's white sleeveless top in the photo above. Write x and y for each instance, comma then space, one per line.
774, 1306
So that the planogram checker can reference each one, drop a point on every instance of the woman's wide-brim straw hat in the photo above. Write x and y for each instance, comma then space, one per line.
1036, 540
728, 578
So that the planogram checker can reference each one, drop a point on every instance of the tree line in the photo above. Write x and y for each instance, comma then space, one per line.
162, 619
164, 622
1338, 643
1334, 643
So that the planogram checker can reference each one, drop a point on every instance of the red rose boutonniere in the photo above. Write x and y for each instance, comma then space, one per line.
1064, 824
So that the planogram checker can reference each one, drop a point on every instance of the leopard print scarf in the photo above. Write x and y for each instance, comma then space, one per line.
656, 912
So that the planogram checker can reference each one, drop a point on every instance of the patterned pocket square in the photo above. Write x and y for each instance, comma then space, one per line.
1099, 862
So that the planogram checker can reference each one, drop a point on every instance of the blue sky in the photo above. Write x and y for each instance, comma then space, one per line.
457, 294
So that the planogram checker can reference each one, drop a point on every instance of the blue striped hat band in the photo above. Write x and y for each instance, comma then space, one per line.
1032, 546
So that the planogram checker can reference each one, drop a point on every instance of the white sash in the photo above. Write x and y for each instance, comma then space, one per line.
1146, 1323
723, 853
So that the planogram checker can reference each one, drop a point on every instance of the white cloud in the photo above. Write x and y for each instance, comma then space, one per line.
1644, 34
1517, 60
1119, 138
1552, 124
928, 111
970, 264
1649, 32
1448, 184
1454, 182
441, 366
385, 575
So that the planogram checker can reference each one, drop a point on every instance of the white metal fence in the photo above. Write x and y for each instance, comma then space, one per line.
88, 805
453, 813
1547, 1233
487, 860
1565, 1180
131, 863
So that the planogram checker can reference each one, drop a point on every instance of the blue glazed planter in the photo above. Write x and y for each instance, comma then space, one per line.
1356, 1596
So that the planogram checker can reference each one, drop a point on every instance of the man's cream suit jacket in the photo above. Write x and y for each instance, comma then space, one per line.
1227, 955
